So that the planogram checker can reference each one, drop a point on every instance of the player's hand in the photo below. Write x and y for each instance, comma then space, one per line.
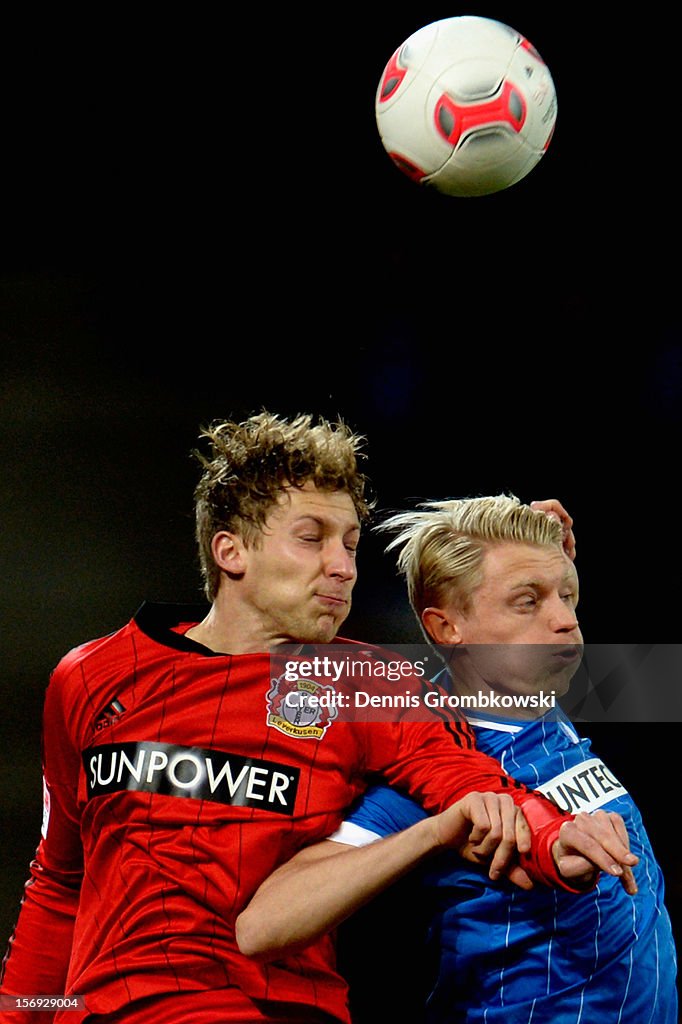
595, 841
554, 508
487, 828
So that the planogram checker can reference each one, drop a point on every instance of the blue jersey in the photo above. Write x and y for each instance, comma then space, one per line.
506, 956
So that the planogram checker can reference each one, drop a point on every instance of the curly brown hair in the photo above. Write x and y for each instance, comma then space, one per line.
250, 463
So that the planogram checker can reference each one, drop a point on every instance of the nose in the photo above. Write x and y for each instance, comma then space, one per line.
563, 618
340, 562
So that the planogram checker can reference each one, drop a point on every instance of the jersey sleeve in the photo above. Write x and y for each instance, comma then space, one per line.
51, 894
379, 812
438, 762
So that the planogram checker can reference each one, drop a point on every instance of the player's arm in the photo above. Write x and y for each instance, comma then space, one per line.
39, 951
482, 827
438, 764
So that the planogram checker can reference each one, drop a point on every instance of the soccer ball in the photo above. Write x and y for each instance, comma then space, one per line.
466, 105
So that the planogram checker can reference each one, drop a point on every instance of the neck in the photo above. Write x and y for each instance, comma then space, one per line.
231, 634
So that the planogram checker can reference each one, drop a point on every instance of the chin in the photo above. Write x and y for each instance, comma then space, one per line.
325, 636
558, 683
318, 633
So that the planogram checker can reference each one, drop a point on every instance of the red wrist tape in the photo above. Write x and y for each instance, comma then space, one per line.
544, 820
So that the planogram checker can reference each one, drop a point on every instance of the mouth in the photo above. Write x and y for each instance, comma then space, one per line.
332, 600
569, 654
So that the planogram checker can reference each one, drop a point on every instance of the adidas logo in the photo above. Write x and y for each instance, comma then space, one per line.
110, 715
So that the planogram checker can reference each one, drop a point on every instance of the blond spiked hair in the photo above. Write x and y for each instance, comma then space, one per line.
442, 545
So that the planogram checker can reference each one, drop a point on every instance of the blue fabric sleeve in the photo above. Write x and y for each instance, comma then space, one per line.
384, 810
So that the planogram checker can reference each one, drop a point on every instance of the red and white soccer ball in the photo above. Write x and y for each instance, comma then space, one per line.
466, 105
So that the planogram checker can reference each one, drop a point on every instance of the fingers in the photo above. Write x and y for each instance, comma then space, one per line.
618, 825
500, 841
516, 836
481, 826
601, 839
628, 877
628, 882
474, 822
498, 828
554, 508
488, 828
523, 833
608, 828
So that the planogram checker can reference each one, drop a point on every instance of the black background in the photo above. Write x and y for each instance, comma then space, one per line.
199, 220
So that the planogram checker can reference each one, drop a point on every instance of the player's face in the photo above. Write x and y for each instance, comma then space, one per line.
521, 633
300, 577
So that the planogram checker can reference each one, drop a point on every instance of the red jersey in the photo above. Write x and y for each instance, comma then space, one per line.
171, 791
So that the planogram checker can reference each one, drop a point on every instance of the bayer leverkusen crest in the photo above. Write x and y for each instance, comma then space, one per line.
301, 707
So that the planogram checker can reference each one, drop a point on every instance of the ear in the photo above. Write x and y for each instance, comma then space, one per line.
229, 552
441, 626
